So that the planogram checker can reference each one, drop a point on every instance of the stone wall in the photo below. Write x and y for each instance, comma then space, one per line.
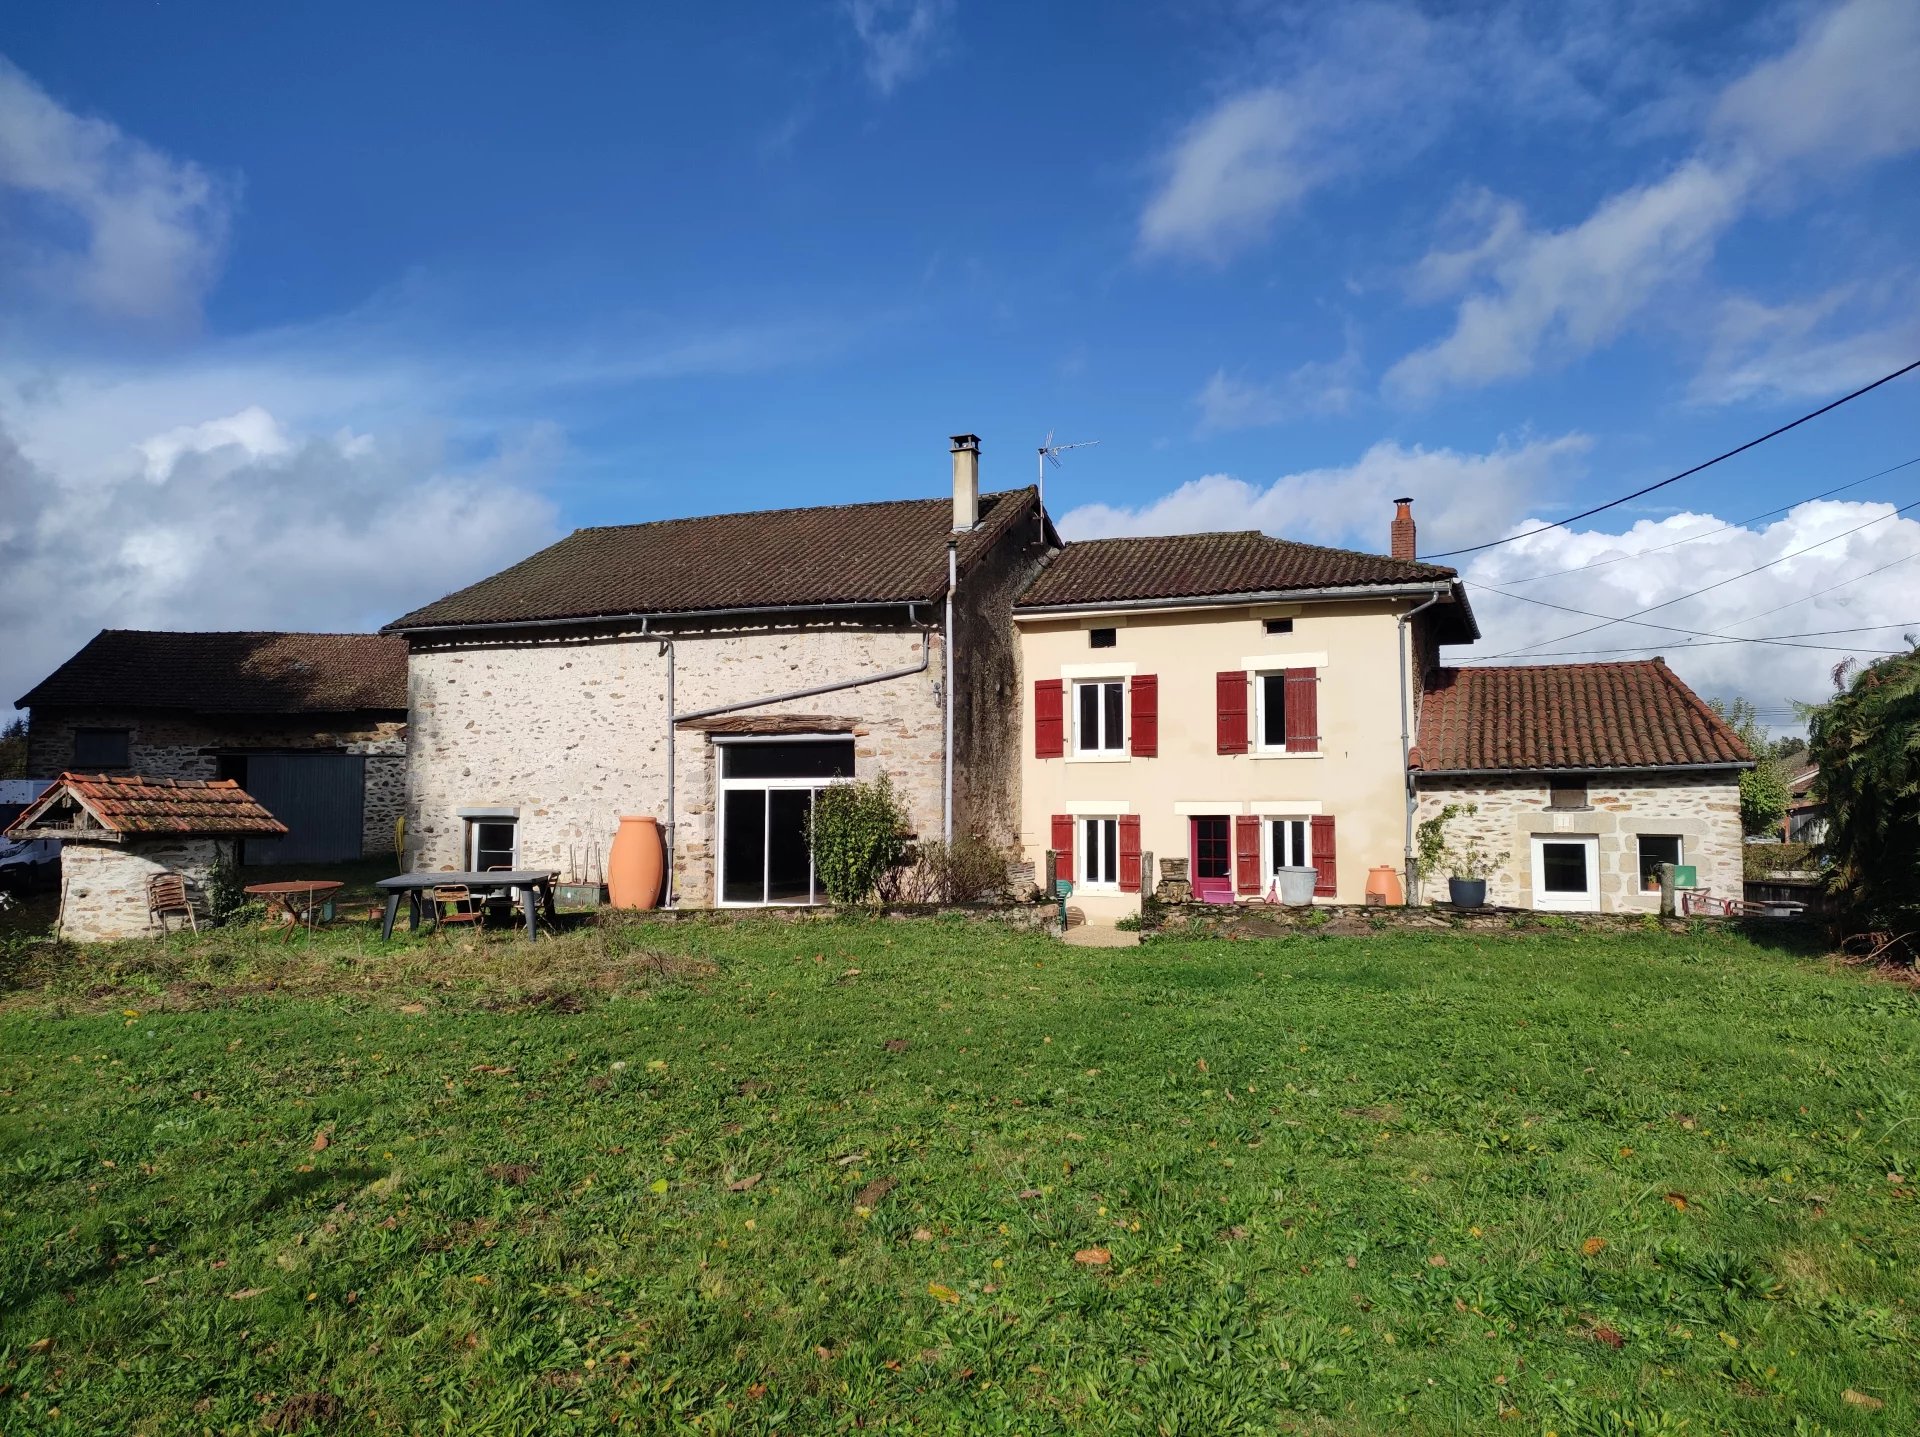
180, 745
103, 886
1702, 808
571, 732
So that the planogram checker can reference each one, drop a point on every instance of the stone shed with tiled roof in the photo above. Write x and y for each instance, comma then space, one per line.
120, 831
714, 672
1587, 776
314, 723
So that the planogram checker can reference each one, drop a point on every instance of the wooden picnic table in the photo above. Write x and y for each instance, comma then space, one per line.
535, 887
296, 899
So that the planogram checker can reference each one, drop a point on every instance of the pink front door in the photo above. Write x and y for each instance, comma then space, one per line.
1210, 858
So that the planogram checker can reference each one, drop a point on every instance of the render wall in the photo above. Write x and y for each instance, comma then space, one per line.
1357, 776
571, 733
103, 886
1701, 808
178, 745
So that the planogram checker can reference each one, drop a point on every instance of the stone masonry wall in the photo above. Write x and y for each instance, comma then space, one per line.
177, 745
1702, 808
103, 886
572, 733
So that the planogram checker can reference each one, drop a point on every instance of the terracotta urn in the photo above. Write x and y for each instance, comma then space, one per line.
635, 863
1383, 887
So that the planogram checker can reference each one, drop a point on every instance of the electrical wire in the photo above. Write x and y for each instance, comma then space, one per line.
1684, 473
1707, 643
1608, 620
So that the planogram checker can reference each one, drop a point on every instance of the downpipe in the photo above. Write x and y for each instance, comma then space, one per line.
1405, 622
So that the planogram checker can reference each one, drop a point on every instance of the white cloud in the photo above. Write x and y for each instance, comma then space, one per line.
1233, 170
1843, 93
1318, 387
900, 38
237, 522
1459, 498
1772, 676
96, 215
1806, 349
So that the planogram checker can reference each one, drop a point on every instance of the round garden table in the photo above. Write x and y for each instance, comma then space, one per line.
296, 900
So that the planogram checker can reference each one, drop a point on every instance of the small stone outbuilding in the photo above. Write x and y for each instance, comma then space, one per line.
118, 831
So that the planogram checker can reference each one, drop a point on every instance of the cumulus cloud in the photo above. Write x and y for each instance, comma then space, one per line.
1643, 565
899, 39
237, 523
94, 215
1459, 497
1842, 94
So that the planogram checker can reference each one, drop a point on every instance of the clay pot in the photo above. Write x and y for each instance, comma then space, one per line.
635, 863
1386, 883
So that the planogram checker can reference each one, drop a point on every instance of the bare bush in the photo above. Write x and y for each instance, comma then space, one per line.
968, 870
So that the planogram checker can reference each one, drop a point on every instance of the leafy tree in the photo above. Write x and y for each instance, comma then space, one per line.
858, 838
1766, 788
1866, 740
13, 749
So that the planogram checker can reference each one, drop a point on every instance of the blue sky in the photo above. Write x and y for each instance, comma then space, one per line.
313, 315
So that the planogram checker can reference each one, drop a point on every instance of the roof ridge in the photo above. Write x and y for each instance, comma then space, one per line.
252, 633
793, 509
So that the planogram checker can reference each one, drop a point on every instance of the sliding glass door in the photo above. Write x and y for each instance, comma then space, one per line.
767, 788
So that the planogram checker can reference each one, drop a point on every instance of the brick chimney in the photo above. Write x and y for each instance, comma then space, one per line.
1403, 529
966, 482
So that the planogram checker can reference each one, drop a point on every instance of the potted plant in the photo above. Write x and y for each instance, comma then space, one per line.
1430, 843
1469, 867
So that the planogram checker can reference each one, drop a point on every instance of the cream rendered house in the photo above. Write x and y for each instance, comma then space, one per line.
1242, 702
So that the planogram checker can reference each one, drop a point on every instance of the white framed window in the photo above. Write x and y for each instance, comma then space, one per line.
1289, 843
1099, 856
1270, 712
492, 843
1100, 718
765, 815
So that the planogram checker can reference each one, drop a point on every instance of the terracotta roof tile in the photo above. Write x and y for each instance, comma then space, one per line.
893, 552
1175, 566
230, 673
1569, 716
130, 804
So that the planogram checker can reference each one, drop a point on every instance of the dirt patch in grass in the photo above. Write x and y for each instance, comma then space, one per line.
309, 1409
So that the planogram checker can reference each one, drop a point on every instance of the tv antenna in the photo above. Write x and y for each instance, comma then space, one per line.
1050, 454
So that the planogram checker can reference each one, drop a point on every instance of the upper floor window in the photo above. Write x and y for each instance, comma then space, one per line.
1278, 626
1099, 716
1272, 718
96, 748
1102, 638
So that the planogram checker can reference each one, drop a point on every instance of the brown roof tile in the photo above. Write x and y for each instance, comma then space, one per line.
1178, 566
1569, 716
129, 804
893, 552
230, 673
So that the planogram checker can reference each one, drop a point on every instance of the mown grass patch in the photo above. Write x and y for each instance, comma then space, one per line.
941, 1177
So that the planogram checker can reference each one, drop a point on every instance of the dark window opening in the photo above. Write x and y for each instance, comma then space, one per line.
1563, 867
1212, 848
491, 843
825, 758
1287, 843
1656, 849
1278, 626
1273, 710
1102, 638
95, 748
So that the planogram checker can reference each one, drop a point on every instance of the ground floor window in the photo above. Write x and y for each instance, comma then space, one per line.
1566, 873
1100, 852
492, 843
1656, 849
1289, 844
767, 788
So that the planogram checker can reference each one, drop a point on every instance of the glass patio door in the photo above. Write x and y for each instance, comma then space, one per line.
767, 788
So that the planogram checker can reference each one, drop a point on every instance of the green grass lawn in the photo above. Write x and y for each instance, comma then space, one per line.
859, 1175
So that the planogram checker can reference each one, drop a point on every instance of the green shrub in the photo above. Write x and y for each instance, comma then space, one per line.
1757, 860
857, 838
1127, 923
223, 888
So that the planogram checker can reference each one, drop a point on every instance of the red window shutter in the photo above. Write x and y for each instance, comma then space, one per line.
1327, 885
1049, 718
1063, 845
1246, 852
1146, 721
1230, 708
1303, 711
1129, 853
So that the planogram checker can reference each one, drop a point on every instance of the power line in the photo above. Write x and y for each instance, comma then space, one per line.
1692, 538
1609, 620
1637, 623
1684, 473
1805, 598
1705, 643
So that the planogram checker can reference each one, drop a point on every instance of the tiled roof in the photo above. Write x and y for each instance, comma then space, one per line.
129, 804
893, 552
1569, 716
225, 673
1178, 566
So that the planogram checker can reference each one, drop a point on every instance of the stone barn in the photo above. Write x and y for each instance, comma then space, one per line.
118, 831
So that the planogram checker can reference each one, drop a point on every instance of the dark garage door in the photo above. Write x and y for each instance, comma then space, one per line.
318, 797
